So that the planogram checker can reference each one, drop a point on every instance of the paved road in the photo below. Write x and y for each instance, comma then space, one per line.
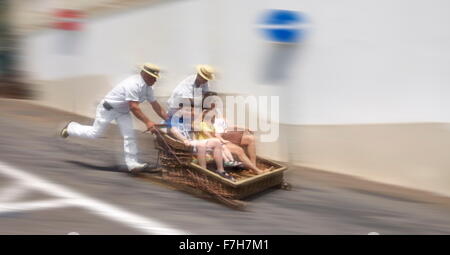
54, 186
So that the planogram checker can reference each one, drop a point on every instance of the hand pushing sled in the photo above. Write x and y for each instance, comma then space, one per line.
175, 160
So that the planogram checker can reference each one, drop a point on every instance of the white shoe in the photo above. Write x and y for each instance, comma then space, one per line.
137, 167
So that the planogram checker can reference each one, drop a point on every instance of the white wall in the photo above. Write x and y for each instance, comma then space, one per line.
366, 61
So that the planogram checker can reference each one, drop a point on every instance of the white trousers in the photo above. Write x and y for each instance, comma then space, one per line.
102, 118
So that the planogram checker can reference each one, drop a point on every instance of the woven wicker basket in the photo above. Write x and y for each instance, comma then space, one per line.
188, 173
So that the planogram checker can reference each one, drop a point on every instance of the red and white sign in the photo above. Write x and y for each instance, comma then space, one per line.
67, 19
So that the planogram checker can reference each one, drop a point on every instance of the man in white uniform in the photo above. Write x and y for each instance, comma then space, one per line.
116, 105
193, 86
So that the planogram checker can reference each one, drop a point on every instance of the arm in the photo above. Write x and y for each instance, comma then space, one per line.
206, 129
159, 110
209, 134
136, 110
219, 136
179, 136
220, 127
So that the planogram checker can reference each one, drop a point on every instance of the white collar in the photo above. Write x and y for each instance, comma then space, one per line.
142, 79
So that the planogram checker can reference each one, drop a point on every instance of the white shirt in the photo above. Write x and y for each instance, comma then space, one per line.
185, 89
133, 88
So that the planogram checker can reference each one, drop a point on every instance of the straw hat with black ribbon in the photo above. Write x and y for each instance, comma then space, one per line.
151, 69
206, 71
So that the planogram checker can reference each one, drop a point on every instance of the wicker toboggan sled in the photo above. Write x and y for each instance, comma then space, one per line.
176, 163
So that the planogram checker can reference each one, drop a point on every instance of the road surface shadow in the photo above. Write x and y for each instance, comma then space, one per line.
112, 168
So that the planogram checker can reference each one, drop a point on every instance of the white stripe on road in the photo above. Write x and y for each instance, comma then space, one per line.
35, 205
144, 224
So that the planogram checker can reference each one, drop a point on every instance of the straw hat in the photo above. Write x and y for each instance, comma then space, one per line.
151, 69
206, 72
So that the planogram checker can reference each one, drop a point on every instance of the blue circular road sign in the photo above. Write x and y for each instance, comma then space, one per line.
283, 26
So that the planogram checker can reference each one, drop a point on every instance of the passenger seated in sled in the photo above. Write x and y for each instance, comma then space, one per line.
210, 129
239, 141
180, 125
205, 130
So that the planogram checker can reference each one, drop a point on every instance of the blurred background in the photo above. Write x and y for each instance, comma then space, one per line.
363, 86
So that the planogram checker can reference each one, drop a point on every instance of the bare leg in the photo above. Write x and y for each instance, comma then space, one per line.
217, 153
201, 154
227, 157
239, 152
248, 140
217, 147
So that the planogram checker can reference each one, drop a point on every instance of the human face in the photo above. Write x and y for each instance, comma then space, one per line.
149, 79
209, 116
200, 81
